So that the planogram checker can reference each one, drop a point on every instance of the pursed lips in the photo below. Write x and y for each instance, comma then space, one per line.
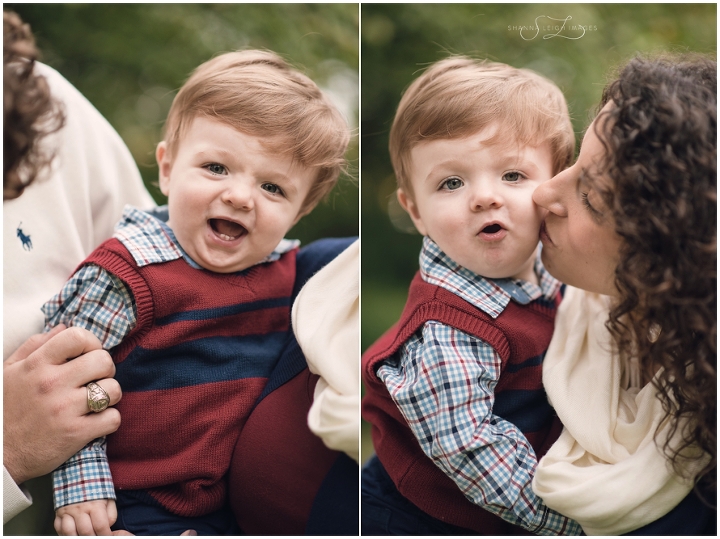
492, 231
544, 236
492, 227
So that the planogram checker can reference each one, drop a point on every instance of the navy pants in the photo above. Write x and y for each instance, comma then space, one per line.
140, 517
387, 512
384, 511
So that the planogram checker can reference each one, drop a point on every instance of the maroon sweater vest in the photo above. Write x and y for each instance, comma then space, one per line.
520, 335
191, 371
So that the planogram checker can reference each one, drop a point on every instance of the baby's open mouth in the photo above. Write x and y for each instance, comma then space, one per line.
227, 230
491, 229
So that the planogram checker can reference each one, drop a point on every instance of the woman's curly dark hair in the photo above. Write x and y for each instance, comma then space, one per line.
29, 112
660, 134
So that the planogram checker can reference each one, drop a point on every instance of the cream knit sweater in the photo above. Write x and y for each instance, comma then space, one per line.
326, 322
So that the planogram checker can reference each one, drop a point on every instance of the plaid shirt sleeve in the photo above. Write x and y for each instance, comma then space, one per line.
99, 302
84, 477
444, 386
94, 300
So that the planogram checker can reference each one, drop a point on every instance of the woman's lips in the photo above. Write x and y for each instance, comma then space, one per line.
544, 236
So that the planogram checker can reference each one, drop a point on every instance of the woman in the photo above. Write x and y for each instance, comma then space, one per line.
632, 367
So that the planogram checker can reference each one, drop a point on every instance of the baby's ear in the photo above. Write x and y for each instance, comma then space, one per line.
165, 166
409, 206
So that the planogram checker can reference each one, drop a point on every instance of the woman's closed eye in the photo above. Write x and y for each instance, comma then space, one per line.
586, 202
273, 189
452, 183
587, 194
215, 168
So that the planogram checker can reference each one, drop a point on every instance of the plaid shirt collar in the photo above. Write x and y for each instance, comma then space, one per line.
489, 295
150, 240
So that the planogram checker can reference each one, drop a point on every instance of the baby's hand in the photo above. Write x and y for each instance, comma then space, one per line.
86, 518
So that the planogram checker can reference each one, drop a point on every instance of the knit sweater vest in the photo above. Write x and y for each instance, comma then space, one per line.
520, 335
191, 370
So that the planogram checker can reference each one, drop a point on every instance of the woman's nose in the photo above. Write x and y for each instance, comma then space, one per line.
549, 195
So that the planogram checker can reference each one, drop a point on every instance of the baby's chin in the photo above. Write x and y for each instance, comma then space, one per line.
494, 269
223, 264
227, 268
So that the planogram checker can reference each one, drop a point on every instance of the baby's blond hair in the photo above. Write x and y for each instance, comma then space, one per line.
259, 94
459, 96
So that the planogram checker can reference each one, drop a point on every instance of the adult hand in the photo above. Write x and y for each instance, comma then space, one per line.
46, 418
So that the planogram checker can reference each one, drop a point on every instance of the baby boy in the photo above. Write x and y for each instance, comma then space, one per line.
194, 305
454, 390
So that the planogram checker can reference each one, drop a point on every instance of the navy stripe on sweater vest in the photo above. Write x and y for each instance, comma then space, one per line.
204, 361
220, 312
532, 362
252, 323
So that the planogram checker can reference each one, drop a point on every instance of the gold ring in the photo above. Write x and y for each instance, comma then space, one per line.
98, 399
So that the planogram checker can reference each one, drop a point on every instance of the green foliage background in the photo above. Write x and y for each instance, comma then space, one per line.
399, 40
130, 59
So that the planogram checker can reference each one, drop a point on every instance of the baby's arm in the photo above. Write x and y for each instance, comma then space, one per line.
95, 300
83, 478
83, 490
86, 518
444, 386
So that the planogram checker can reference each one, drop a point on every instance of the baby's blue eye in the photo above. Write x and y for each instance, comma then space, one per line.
452, 183
272, 188
512, 176
215, 168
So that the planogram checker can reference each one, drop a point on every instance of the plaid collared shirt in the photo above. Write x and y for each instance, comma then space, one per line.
95, 300
488, 457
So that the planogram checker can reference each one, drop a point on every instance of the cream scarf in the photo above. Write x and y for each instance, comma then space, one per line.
605, 471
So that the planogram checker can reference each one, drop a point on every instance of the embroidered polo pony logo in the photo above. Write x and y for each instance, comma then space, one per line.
26, 241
